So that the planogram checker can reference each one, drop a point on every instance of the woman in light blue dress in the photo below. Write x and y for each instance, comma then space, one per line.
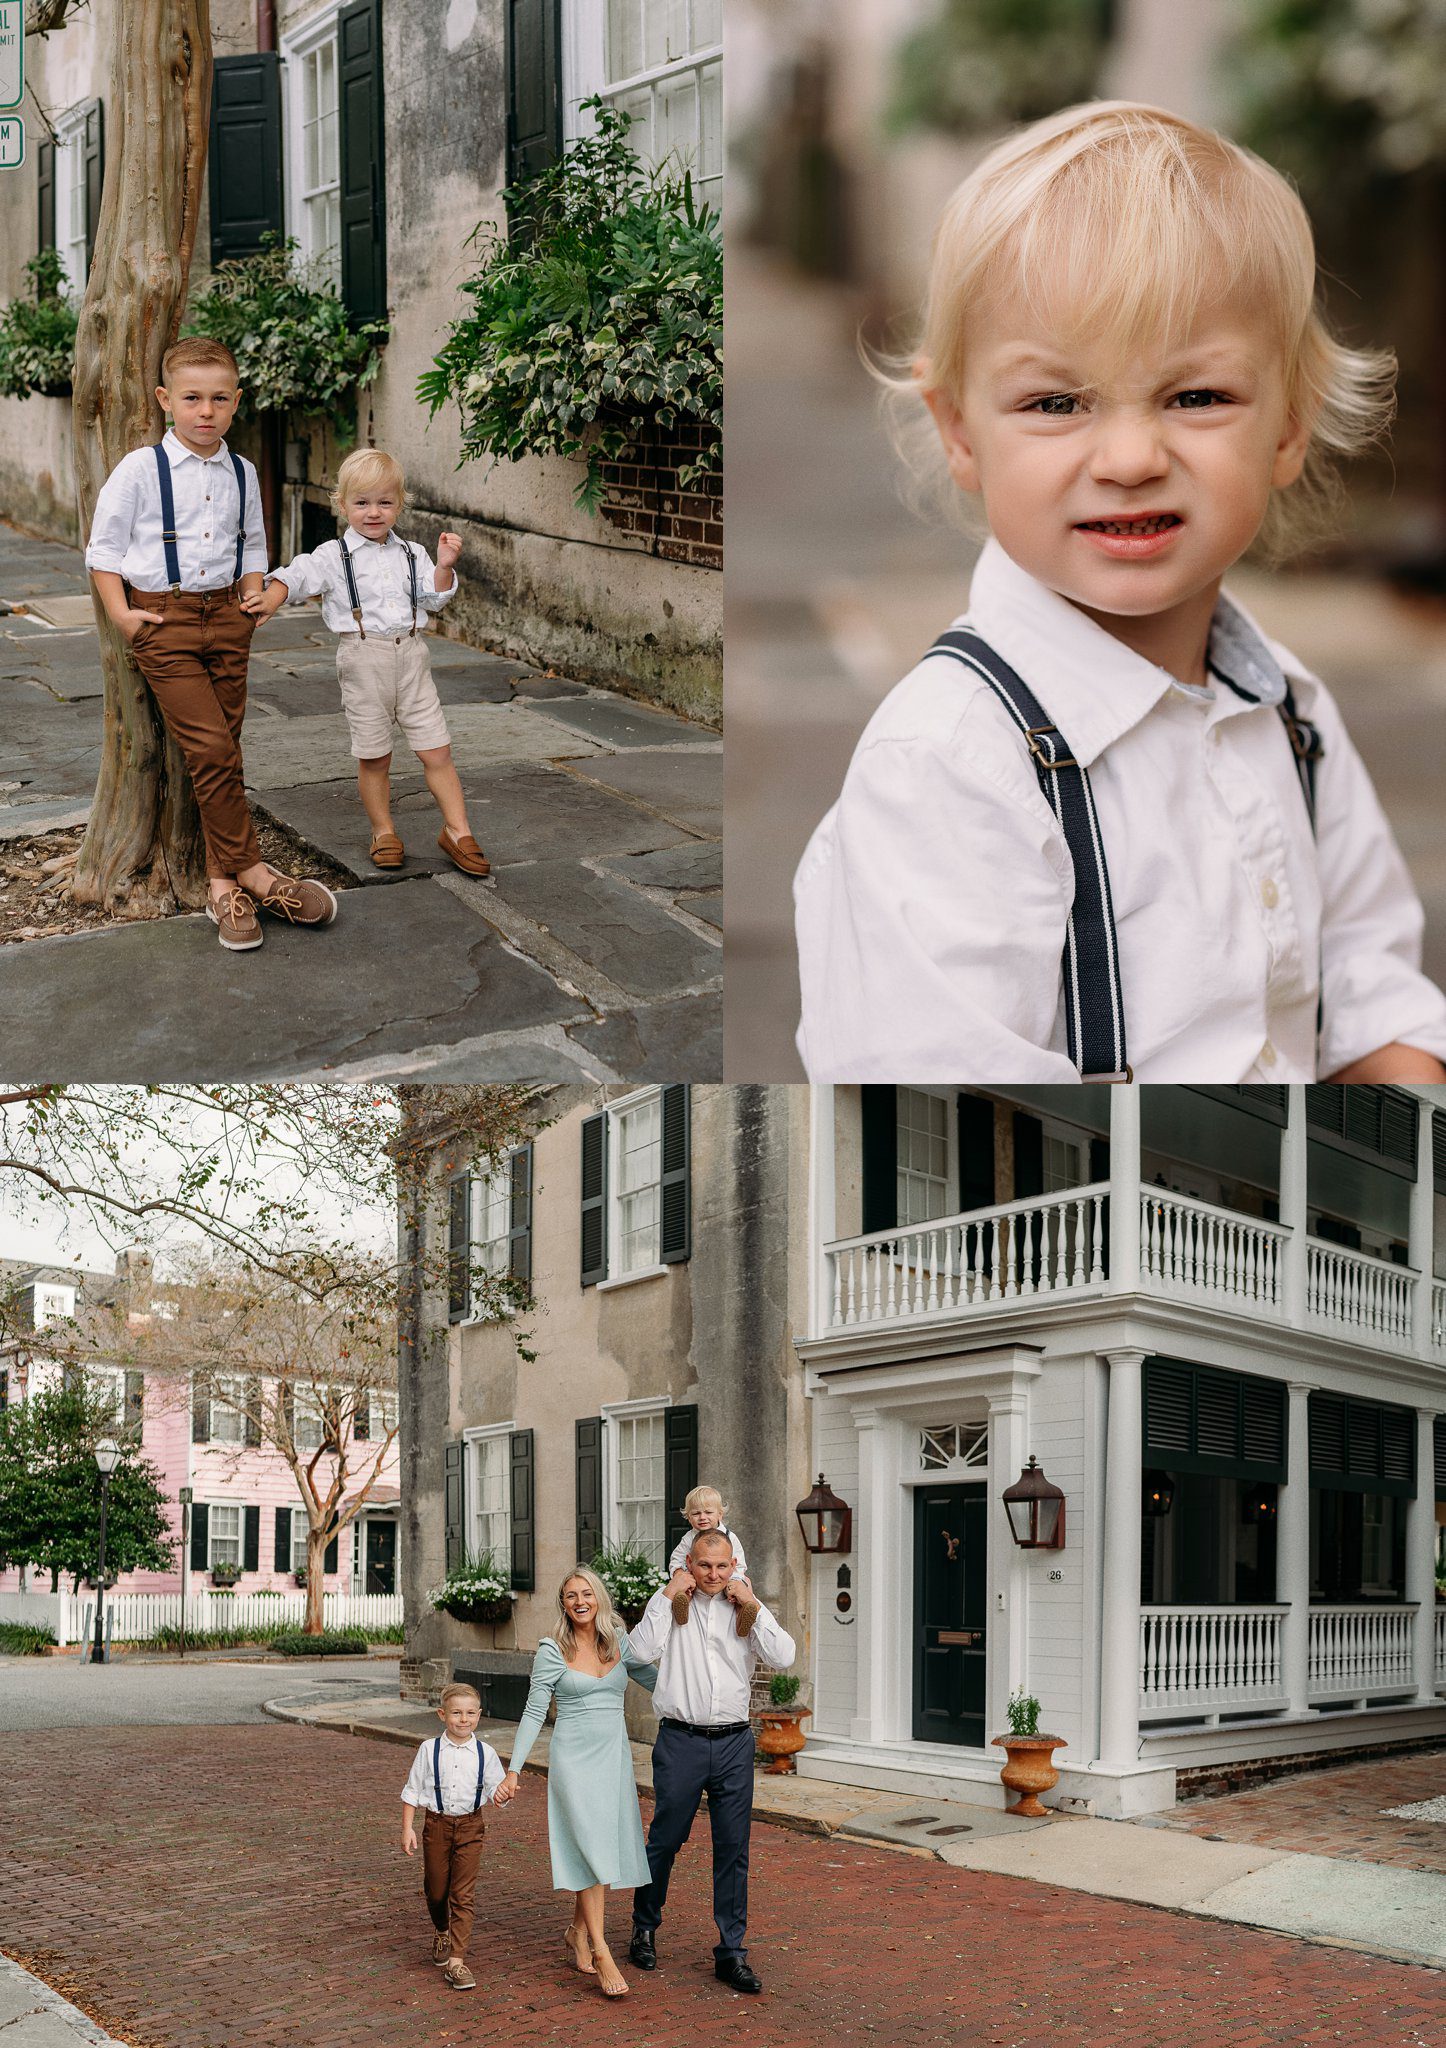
593, 1823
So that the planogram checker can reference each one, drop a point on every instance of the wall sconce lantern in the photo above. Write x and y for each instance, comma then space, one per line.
1035, 1510
1158, 1495
1257, 1503
826, 1521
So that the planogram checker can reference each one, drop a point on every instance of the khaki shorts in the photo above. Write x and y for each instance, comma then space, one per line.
386, 680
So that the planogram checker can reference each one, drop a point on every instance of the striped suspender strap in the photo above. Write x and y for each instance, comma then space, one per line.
351, 589
240, 510
1306, 746
168, 519
1094, 1000
437, 1772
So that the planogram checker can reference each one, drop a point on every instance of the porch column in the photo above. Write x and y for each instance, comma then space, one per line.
822, 1206
1120, 1604
1292, 1551
1008, 1572
1125, 1191
1293, 1157
877, 1587
1420, 1249
1421, 1556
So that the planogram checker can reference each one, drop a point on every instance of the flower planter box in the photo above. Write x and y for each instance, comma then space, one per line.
226, 1581
489, 1611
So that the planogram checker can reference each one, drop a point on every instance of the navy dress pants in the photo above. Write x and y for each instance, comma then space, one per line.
685, 1766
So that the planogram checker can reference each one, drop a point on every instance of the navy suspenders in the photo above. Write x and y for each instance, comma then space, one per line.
437, 1772
1094, 999
351, 589
168, 515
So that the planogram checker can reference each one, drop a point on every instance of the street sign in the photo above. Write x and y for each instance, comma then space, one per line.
12, 142
12, 56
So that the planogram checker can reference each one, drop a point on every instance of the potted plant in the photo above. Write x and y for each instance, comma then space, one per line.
780, 1725
225, 1576
477, 1589
630, 1576
1028, 1768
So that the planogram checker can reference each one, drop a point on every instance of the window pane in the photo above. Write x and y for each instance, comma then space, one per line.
707, 23
665, 31
677, 117
641, 1517
625, 38
225, 1533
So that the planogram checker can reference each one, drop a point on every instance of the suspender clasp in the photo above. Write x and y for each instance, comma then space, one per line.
1040, 753
1124, 1077
1303, 738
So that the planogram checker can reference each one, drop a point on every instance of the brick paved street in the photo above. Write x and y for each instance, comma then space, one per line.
1342, 1812
204, 1888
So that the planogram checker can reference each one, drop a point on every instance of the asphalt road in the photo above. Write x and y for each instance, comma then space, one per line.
61, 1692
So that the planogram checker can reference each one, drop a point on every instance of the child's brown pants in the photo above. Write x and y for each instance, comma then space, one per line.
451, 1852
195, 662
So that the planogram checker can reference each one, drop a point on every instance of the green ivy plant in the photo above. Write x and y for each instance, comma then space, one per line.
600, 320
37, 335
981, 64
294, 342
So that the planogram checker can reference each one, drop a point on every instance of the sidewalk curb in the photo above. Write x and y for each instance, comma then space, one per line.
47, 2004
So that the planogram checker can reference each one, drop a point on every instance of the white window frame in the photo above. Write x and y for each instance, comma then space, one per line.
488, 1187
298, 48
305, 1408
585, 73
112, 1376
69, 191
951, 1148
211, 1558
300, 1530
617, 1111
219, 1404
614, 1414
475, 1439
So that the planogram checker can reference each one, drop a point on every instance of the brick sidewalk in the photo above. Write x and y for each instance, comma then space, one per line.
1341, 1812
203, 1888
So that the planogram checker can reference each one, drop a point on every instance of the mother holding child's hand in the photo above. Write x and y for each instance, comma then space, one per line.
593, 1823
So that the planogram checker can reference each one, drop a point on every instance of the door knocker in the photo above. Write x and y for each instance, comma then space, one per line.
951, 1544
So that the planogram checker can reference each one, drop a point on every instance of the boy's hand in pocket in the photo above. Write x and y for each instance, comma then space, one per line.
133, 620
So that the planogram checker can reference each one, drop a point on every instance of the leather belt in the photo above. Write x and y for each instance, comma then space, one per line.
693, 1727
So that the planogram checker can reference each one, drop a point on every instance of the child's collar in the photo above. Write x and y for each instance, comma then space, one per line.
175, 446
351, 540
465, 1743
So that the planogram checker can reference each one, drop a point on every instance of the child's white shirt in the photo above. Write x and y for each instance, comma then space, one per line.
382, 584
932, 901
457, 1767
681, 1549
126, 528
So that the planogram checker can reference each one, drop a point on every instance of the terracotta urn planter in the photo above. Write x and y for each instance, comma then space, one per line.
1029, 1770
780, 1736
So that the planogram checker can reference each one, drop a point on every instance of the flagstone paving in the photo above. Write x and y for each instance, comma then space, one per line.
593, 952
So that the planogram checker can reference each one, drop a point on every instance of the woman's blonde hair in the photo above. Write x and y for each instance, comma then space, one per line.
1116, 222
609, 1623
363, 470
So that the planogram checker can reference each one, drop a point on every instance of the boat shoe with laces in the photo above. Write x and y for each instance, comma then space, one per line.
299, 899
234, 917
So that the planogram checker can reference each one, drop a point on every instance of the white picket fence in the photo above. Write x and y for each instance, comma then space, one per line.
136, 1617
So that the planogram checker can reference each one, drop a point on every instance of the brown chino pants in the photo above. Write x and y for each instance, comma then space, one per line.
195, 662
451, 1852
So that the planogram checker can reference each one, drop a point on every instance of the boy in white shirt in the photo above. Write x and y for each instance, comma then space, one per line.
452, 1778
177, 551
703, 1507
1105, 826
378, 594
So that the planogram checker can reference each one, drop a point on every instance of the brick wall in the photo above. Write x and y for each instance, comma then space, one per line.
641, 496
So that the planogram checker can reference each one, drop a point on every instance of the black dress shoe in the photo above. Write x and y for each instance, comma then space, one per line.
736, 1974
641, 1950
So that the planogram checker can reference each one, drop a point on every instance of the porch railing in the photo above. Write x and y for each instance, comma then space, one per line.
1362, 1292
1438, 1315
1202, 1660
1359, 1652
1190, 1246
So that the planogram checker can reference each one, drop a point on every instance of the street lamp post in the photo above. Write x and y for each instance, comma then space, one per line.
107, 1457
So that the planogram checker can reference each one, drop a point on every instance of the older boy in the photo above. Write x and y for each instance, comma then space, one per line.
452, 1778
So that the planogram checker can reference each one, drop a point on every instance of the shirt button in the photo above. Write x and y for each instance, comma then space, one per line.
1267, 1054
1269, 894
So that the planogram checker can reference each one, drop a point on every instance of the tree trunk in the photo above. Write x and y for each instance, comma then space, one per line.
142, 854
315, 1572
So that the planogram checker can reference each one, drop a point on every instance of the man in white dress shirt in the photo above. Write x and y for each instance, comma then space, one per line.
705, 1744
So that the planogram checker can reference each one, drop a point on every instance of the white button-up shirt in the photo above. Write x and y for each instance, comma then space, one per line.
932, 901
125, 533
705, 1667
457, 1768
382, 585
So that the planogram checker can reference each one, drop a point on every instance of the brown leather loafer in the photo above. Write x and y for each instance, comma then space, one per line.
387, 851
235, 921
464, 853
300, 900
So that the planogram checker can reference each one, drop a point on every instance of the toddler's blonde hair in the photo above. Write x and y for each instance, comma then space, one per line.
1117, 222
363, 470
703, 1497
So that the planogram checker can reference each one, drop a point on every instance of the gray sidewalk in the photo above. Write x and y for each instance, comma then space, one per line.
594, 951
34, 2016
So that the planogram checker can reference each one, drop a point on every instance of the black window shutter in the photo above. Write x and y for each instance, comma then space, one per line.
135, 1401
675, 1236
200, 1521
361, 1419
594, 1199
534, 87
200, 1411
1438, 1436
453, 1503
245, 154
252, 1418
94, 146
519, 1222
283, 1539
976, 1153
1028, 1156
680, 1469
589, 1486
523, 1523
879, 1137
459, 1250
328, 1563
251, 1539
45, 188
363, 180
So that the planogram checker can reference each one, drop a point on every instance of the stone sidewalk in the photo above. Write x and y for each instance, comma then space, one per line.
594, 951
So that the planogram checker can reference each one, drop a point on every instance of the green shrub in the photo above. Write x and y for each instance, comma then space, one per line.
389, 1632
332, 1642
168, 1637
783, 1688
25, 1639
37, 336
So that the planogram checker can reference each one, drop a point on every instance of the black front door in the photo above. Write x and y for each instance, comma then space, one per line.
950, 1595
381, 1557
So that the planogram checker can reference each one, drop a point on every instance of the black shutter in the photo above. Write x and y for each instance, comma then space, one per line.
519, 1221
200, 1521
976, 1153
251, 1421
200, 1411
879, 1138
328, 1563
534, 87
459, 1250
251, 1539
245, 154
1028, 1156
94, 146
45, 189
135, 1402
363, 179
453, 1503
589, 1487
361, 1419
1438, 1436
1099, 1168
594, 1199
283, 1539
523, 1521
675, 1236
680, 1469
